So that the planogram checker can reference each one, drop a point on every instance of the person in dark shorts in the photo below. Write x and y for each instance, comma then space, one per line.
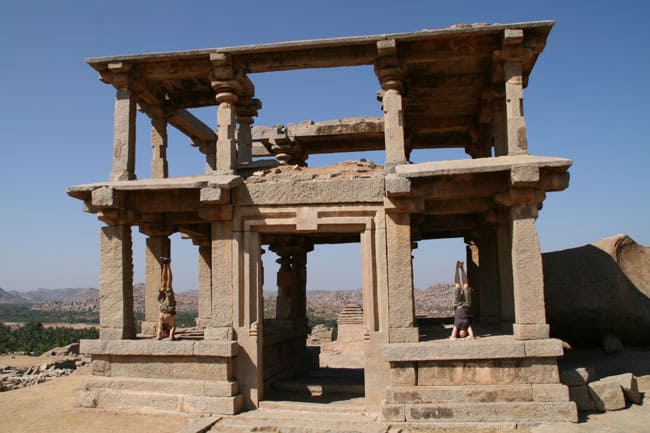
166, 302
462, 304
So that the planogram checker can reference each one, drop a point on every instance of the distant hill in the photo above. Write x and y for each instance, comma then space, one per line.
59, 295
11, 297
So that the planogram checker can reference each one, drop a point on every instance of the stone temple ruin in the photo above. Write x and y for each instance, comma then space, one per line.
459, 87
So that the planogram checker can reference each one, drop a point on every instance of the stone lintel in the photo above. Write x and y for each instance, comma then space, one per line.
527, 197
221, 349
216, 212
360, 190
486, 348
404, 205
480, 165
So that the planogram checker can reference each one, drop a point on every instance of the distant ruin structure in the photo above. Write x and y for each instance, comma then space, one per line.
459, 87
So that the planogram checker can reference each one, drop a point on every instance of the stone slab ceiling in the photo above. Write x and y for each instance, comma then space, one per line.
450, 76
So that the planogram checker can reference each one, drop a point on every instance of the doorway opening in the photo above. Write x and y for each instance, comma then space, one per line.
313, 349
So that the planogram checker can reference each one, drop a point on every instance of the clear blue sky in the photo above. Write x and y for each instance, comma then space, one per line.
588, 100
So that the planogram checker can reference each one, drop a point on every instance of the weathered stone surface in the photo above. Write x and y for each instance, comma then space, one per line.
488, 372
166, 366
550, 392
493, 412
628, 384
403, 374
446, 394
317, 191
205, 388
607, 395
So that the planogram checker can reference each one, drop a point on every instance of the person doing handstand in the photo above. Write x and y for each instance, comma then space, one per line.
462, 305
166, 302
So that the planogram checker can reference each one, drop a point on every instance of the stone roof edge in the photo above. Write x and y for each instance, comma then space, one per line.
315, 43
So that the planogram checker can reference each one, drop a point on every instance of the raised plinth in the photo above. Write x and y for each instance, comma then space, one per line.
168, 376
493, 379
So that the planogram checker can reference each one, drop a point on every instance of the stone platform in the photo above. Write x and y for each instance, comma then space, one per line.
151, 375
495, 379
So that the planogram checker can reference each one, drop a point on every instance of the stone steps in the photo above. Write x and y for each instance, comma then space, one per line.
492, 412
483, 393
146, 401
290, 417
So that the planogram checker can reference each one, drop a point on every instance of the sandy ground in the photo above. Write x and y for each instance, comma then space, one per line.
49, 407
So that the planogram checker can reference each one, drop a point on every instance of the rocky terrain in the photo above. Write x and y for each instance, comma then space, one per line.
435, 301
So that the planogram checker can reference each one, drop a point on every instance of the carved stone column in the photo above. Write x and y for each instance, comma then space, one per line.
124, 124
401, 308
116, 319
159, 166
513, 127
284, 303
227, 89
527, 276
246, 110
389, 73
158, 245
205, 285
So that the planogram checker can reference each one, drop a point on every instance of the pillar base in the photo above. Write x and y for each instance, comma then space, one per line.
148, 327
404, 335
531, 331
219, 333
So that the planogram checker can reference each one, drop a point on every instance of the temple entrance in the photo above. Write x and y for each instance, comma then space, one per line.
313, 352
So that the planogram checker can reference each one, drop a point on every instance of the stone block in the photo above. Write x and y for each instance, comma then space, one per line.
628, 383
170, 366
403, 374
544, 348
493, 412
404, 335
607, 395
536, 331
104, 197
138, 401
397, 185
458, 394
213, 195
524, 174
580, 395
221, 405
100, 367
87, 399
488, 372
579, 376
550, 392
392, 412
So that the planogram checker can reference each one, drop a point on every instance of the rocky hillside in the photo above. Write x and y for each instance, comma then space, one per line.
435, 301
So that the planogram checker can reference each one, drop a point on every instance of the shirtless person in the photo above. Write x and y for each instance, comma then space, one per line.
462, 304
167, 302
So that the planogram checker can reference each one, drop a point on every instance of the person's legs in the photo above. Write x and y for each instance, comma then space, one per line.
172, 327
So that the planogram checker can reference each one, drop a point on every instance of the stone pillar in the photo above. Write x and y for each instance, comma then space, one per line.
116, 319
245, 113
472, 264
299, 266
223, 290
159, 167
527, 276
123, 127
284, 302
499, 127
504, 245
227, 90
205, 285
516, 129
157, 246
401, 308
387, 68
489, 278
